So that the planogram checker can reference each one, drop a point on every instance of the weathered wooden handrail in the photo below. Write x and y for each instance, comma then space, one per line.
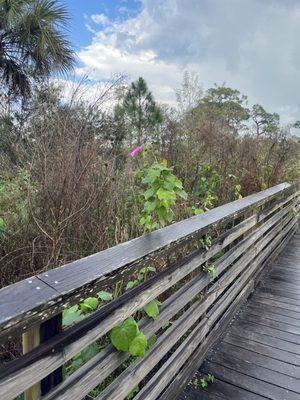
260, 224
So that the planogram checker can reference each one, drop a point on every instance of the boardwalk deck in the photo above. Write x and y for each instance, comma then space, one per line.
259, 356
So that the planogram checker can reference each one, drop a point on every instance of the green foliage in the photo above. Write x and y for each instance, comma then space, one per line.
131, 284
134, 391
14, 210
206, 242
84, 356
151, 341
211, 270
206, 379
226, 105
265, 123
128, 338
32, 42
89, 304
293, 212
138, 345
237, 191
206, 189
140, 109
161, 188
166, 325
105, 296
72, 315
122, 335
151, 309
140, 277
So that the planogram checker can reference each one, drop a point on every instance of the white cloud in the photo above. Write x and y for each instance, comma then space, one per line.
251, 45
100, 19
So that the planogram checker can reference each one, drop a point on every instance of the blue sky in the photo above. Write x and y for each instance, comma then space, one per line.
78, 9
250, 45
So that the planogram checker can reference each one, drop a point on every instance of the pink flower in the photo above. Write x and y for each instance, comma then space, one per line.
136, 151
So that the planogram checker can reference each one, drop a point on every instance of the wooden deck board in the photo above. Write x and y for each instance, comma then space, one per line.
259, 356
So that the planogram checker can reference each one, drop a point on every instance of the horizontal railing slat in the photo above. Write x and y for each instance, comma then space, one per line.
40, 364
101, 366
131, 377
254, 230
45, 295
182, 377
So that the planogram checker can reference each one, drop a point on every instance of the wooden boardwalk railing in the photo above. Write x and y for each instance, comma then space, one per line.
246, 235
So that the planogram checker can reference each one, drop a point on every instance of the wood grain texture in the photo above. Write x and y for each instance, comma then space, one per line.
99, 368
260, 352
249, 247
68, 284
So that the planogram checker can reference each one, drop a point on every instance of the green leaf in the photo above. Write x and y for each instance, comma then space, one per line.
152, 309
204, 383
148, 193
149, 206
122, 335
183, 194
169, 216
138, 345
131, 394
90, 351
2, 224
144, 270
165, 325
72, 315
89, 304
131, 284
151, 341
105, 296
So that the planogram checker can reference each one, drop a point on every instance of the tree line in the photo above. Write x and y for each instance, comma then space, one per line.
68, 186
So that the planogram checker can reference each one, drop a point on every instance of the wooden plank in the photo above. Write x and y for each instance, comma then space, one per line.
282, 326
287, 300
183, 376
246, 382
31, 340
242, 364
124, 383
271, 301
179, 375
53, 307
285, 237
80, 277
268, 331
194, 395
255, 356
260, 344
229, 391
278, 284
113, 390
44, 364
287, 276
32, 293
81, 272
250, 331
280, 292
255, 310
293, 315
49, 329
101, 366
167, 372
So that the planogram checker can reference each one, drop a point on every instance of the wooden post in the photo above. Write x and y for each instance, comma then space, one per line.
31, 339
49, 329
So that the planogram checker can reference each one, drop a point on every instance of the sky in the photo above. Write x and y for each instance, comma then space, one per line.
250, 45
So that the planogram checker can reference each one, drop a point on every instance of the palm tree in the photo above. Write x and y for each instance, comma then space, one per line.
32, 44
